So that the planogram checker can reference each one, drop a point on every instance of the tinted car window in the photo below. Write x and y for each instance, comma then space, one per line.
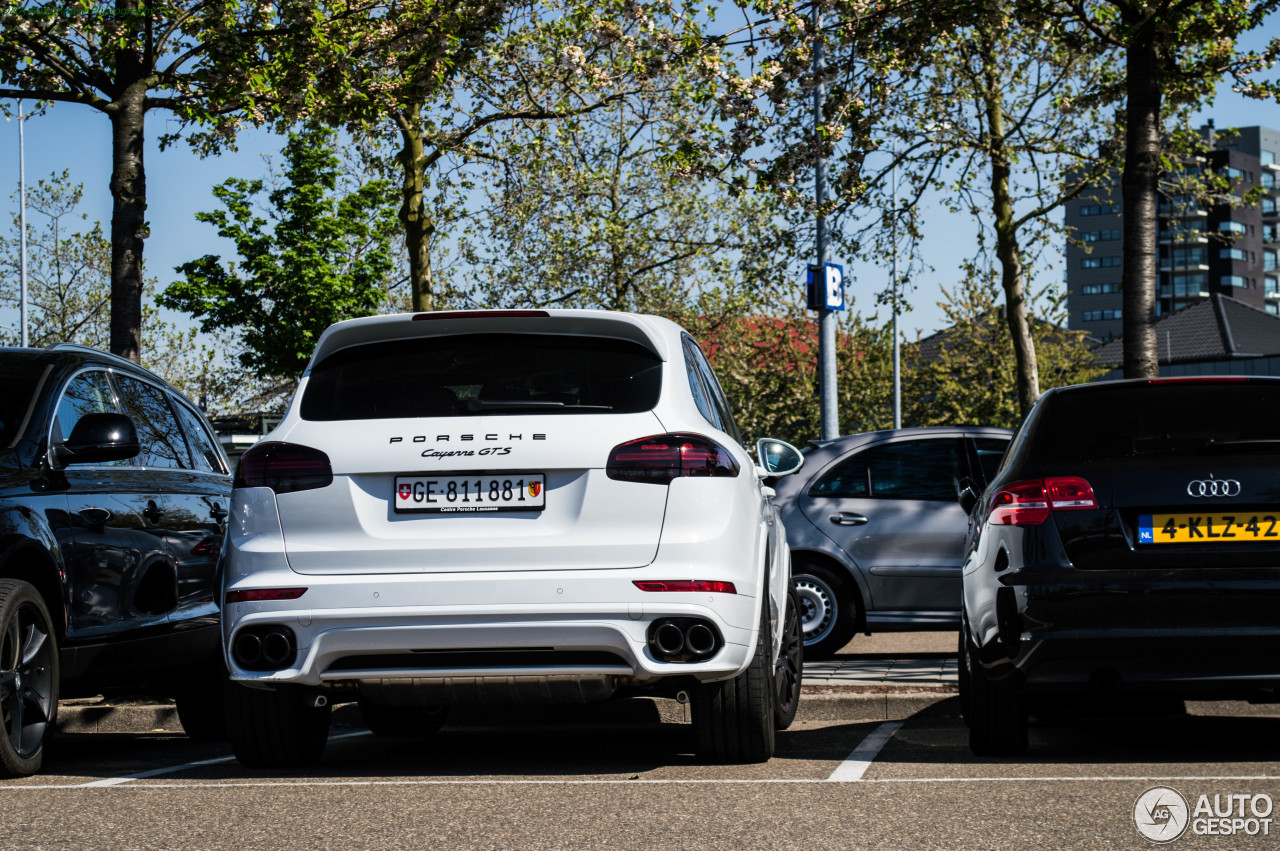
846, 479
1133, 421
204, 454
483, 374
717, 395
87, 393
158, 432
990, 454
17, 396
698, 388
918, 469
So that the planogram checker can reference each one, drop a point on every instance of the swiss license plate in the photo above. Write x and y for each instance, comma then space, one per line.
473, 493
1208, 528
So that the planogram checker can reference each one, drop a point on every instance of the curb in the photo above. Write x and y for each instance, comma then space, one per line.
830, 705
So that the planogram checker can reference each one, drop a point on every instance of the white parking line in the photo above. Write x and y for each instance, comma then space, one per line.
173, 769
763, 781
857, 763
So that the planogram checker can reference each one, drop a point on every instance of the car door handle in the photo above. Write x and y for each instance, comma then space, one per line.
848, 518
153, 512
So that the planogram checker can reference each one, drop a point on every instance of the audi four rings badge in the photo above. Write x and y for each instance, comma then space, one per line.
1213, 487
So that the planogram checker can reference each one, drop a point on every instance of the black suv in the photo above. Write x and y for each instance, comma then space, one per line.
113, 501
1128, 545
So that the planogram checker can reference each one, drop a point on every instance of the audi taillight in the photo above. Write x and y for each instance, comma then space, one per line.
663, 457
1029, 503
283, 467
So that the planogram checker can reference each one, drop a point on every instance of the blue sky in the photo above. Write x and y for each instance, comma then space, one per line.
179, 185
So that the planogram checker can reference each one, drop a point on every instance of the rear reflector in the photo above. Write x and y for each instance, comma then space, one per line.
481, 314
1029, 503
701, 585
659, 459
257, 595
283, 467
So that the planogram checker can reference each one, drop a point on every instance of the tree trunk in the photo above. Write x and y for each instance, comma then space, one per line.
418, 229
1140, 193
1008, 252
128, 220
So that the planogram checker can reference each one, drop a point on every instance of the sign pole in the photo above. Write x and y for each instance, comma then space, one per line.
22, 228
829, 419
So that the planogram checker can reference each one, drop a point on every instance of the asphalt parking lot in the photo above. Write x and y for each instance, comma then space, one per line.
626, 778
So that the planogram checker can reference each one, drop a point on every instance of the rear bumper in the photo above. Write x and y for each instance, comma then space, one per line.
496, 625
1176, 631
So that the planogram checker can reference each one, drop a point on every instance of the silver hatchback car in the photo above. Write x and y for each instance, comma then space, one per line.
877, 532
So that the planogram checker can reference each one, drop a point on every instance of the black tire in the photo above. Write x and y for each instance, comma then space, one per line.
202, 705
403, 721
733, 720
28, 678
828, 609
962, 671
788, 671
997, 713
276, 729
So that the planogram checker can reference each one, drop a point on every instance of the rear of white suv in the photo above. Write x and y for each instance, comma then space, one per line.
506, 506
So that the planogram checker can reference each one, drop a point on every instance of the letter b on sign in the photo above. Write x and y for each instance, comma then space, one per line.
825, 289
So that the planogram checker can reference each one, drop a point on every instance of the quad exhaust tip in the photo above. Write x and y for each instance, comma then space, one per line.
684, 640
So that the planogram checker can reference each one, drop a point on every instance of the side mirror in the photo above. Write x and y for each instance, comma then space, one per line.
968, 494
777, 457
98, 438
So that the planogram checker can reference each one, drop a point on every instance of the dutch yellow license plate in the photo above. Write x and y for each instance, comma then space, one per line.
1208, 528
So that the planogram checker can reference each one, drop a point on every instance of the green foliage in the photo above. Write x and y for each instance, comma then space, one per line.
320, 256
966, 375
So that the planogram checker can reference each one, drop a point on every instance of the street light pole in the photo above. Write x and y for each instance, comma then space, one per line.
893, 273
22, 228
829, 418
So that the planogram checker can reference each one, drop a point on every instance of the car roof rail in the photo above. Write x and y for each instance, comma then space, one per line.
90, 350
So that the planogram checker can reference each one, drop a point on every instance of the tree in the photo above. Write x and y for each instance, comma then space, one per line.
964, 374
1001, 105
586, 212
69, 295
446, 77
320, 256
68, 269
189, 58
1174, 54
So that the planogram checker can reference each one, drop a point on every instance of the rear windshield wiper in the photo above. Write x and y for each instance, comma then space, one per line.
1263, 443
477, 405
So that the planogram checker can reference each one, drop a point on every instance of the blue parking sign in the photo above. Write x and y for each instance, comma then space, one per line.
825, 287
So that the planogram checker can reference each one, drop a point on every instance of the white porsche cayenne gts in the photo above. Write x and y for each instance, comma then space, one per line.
507, 506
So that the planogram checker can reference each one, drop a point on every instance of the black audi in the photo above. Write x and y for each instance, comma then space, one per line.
1128, 545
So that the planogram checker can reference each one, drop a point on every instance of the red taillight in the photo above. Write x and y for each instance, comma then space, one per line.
1020, 504
205, 547
481, 314
1029, 503
257, 595
686, 585
283, 467
1068, 493
664, 457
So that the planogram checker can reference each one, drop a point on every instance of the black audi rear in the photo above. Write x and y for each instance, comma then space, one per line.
1132, 540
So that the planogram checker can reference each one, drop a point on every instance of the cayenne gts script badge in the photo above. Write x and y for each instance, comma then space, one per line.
535, 488
1213, 487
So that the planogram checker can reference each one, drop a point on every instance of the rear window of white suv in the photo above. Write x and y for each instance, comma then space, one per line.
483, 374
